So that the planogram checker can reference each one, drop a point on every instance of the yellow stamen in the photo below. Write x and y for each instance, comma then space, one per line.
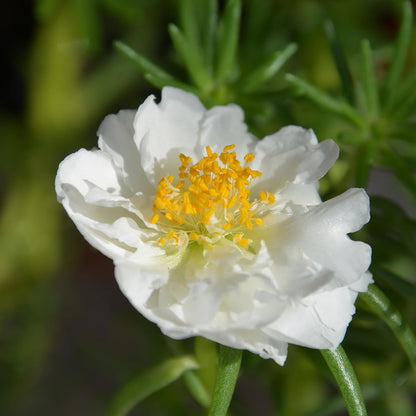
258, 221
215, 191
249, 157
171, 234
228, 148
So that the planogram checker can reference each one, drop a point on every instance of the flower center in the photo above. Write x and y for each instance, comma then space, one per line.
211, 199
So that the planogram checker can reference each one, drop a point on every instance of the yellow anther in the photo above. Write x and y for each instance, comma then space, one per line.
249, 157
159, 204
258, 221
224, 189
193, 236
232, 201
213, 191
224, 158
171, 234
161, 242
186, 160
207, 217
189, 209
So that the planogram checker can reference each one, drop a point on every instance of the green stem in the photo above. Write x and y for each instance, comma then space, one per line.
344, 374
372, 103
382, 306
228, 369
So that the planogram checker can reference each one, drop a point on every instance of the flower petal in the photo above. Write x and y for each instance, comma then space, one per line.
322, 322
84, 167
87, 185
115, 138
320, 234
292, 155
164, 130
224, 125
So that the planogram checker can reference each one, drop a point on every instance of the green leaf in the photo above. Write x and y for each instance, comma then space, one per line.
149, 382
340, 62
381, 305
268, 68
210, 33
191, 34
192, 60
404, 91
404, 109
190, 24
197, 388
228, 369
369, 81
344, 374
228, 33
351, 138
144, 64
365, 155
325, 101
399, 54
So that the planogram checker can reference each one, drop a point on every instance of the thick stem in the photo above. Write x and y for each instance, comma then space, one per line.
382, 306
228, 369
344, 374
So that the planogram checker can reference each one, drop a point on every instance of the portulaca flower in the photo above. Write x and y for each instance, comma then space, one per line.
215, 233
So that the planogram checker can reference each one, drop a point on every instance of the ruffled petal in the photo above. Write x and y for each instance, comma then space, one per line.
322, 321
115, 138
138, 281
224, 125
255, 341
292, 155
88, 187
320, 234
87, 167
164, 130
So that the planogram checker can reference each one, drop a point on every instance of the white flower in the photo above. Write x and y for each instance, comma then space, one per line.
215, 233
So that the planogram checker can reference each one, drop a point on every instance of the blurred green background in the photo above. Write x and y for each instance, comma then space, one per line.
68, 338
